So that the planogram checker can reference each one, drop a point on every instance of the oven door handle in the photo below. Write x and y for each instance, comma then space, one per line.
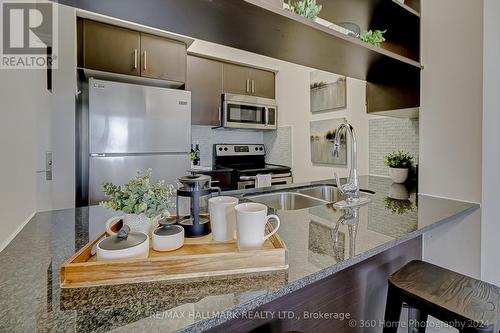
246, 178
274, 176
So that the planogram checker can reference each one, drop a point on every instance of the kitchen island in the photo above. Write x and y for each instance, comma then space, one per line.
337, 269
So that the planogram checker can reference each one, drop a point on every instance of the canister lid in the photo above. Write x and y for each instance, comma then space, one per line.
114, 243
168, 230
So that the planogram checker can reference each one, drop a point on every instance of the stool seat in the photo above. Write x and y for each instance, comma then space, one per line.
466, 303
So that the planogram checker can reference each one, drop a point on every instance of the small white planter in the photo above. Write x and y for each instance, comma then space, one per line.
398, 175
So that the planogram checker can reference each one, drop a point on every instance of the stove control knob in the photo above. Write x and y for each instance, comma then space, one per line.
261, 149
220, 148
256, 148
225, 148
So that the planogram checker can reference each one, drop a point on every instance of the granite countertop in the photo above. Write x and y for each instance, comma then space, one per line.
318, 243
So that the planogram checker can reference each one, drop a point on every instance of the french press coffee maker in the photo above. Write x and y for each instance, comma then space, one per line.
193, 193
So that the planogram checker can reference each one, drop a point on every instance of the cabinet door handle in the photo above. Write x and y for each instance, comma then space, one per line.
135, 59
248, 86
145, 60
253, 86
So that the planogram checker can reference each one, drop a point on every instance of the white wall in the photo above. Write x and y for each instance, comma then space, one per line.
56, 122
292, 95
490, 229
18, 108
35, 121
450, 124
17, 148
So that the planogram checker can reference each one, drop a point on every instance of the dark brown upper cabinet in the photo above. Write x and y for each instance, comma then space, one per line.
236, 79
204, 80
243, 80
110, 49
113, 49
163, 58
263, 83
208, 79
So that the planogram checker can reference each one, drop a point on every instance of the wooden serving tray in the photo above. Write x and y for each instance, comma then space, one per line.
199, 257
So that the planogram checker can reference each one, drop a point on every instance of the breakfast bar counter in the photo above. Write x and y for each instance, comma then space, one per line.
322, 242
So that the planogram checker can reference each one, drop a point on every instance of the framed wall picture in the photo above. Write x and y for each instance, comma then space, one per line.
322, 137
328, 91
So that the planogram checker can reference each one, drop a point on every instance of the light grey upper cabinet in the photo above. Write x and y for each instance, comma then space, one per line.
243, 80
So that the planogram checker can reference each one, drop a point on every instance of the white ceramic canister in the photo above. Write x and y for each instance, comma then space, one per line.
168, 238
123, 245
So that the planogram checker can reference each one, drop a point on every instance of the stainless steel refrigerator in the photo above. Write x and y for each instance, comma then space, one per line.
132, 128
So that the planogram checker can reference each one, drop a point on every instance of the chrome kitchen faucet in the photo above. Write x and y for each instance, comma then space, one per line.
351, 188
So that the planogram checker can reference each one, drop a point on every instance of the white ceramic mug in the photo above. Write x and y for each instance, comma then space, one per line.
222, 218
251, 219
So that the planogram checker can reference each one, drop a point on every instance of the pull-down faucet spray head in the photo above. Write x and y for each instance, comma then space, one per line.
336, 149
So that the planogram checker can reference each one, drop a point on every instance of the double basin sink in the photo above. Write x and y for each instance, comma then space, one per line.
301, 198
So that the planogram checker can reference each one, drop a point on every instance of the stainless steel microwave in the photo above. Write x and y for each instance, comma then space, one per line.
249, 112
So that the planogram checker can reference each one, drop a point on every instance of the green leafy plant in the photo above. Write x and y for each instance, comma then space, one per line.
374, 38
307, 8
398, 207
139, 196
399, 159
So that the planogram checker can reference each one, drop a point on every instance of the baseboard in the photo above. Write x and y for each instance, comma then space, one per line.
18, 230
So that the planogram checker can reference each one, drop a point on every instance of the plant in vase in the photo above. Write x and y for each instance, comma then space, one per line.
307, 8
399, 164
374, 38
142, 203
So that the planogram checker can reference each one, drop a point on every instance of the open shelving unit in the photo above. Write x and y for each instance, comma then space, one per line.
392, 71
407, 7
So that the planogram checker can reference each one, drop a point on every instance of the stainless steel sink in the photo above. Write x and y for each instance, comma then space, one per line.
328, 193
287, 200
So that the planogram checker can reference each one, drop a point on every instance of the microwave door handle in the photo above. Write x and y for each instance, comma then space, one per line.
266, 115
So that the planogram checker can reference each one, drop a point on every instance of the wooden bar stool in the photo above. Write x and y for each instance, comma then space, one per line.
465, 303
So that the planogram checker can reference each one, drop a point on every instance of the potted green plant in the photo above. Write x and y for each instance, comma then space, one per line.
399, 163
374, 38
142, 203
307, 8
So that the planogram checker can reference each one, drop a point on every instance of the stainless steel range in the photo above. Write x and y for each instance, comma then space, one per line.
247, 162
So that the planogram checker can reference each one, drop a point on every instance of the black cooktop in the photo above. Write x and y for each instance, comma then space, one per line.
267, 168
245, 159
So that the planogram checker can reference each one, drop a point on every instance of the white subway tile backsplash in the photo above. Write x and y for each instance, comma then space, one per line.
279, 146
388, 134
206, 137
